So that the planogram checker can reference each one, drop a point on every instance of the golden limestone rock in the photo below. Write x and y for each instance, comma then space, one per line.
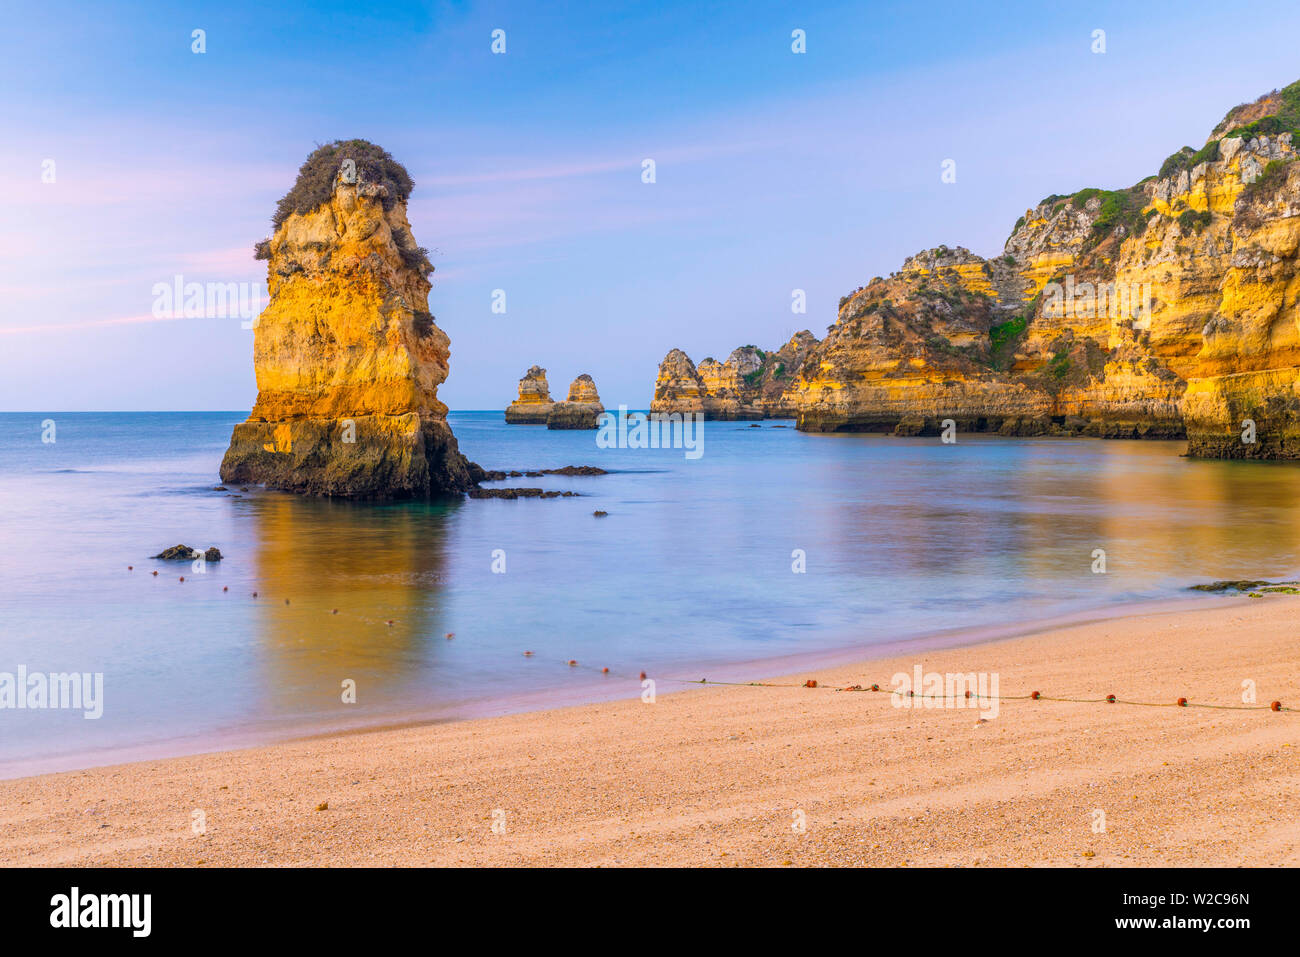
534, 403
581, 410
347, 356
1168, 309
678, 387
749, 385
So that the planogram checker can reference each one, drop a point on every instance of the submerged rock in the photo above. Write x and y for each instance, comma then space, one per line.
519, 493
576, 470
1248, 584
178, 553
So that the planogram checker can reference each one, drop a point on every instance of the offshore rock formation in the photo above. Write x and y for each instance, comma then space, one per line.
581, 410
1162, 310
534, 403
751, 384
347, 356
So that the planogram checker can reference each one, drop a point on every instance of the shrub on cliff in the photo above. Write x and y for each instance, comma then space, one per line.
1286, 119
315, 183
1266, 186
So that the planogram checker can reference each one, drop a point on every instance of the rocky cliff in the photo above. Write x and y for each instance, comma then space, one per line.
534, 403
347, 356
1161, 310
751, 384
581, 410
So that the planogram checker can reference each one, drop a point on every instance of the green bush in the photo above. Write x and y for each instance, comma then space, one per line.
1176, 162
316, 176
1058, 367
1007, 333
1285, 120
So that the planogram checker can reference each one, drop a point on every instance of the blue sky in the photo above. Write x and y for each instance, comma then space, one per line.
775, 171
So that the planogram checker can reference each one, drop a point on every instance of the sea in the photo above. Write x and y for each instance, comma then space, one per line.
769, 549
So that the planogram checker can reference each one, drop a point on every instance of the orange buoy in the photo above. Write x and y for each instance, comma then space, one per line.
810, 683
182, 578
155, 574
1182, 702
334, 611
1110, 699
1275, 706
572, 662
604, 671
1035, 695
451, 634
130, 568
968, 694
225, 588
389, 623
877, 688
528, 654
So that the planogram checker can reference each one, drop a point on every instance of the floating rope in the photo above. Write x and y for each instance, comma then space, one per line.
973, 695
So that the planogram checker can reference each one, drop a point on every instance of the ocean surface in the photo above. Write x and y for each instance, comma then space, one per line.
692, 571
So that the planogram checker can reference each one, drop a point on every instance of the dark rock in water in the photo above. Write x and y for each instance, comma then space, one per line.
219, 488
485, 475
575, 470
755, 426
599, 514
518, 493
183, 553
176, 553
1246, 584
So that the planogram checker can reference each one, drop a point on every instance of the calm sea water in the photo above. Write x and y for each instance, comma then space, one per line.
690, 571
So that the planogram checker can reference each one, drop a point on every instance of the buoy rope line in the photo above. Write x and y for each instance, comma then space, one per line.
971, 695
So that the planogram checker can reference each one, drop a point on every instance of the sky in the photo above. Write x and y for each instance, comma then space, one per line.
775, 171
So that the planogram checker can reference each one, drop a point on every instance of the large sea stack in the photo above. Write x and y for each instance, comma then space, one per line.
534, 403
581, 410
347, 356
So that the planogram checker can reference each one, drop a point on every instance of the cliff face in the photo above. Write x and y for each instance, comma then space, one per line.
534, 403
1163, 310
580, 410
751, 384
347, 356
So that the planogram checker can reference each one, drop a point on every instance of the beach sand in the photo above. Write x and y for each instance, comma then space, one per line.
722, 775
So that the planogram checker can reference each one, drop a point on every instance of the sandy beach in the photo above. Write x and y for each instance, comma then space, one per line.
765, 776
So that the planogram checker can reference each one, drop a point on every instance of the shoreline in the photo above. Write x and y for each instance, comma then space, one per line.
714, 775
595, 689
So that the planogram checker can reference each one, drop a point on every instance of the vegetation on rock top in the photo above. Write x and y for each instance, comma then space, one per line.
316, 176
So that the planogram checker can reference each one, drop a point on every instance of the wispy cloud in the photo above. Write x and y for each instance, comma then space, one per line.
55, 327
